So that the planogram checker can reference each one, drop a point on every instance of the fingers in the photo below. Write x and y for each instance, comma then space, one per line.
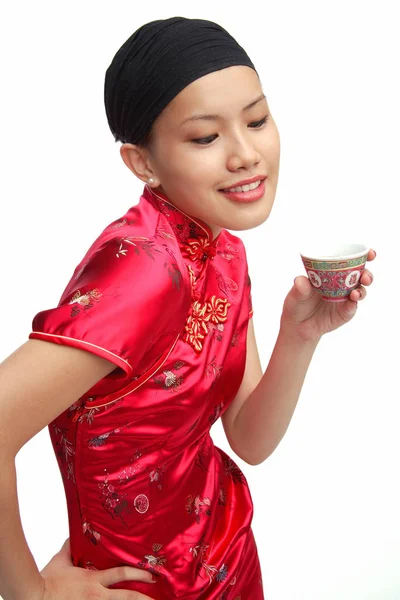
358, 294
371, 254
367, 277
66, 546
64, 555
124, 573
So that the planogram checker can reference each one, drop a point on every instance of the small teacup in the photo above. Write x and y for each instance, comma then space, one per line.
335, 270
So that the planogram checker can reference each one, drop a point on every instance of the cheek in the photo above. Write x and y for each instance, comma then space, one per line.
209, 161
270, 149
196, 165
273, 140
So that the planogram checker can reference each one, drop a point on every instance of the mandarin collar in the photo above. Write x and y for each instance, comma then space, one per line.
195, 237
198, 228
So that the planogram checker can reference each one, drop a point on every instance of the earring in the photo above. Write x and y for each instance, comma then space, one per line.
150, 181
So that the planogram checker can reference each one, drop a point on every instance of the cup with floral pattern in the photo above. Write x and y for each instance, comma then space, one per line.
335, 270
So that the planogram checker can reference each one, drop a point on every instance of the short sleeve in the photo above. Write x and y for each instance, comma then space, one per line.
126, 303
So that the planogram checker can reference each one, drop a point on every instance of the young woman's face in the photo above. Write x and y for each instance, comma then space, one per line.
194, 159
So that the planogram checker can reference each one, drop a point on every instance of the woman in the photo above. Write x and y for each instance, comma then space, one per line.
153, 341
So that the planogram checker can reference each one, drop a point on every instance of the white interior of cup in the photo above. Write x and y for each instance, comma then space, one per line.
329, 252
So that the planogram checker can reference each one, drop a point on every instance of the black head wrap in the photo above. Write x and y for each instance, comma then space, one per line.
158, 61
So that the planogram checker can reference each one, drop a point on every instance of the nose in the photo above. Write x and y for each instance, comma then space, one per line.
242, 153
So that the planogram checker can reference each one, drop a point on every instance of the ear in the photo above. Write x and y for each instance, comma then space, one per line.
137, 159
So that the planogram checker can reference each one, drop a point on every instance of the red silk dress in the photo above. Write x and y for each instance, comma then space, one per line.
144, 483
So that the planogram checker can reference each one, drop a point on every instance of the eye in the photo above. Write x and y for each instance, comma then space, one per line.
258, 124
205, 140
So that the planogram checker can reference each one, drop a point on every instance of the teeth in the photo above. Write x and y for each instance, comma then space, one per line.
245, 188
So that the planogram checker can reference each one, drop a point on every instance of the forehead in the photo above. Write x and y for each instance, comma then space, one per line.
224, 92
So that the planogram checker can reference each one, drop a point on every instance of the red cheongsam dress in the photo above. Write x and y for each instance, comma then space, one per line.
144, 483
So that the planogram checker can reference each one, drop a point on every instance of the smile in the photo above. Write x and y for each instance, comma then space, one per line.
244, 188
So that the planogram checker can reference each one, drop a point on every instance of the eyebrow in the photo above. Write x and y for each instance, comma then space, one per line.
216, 117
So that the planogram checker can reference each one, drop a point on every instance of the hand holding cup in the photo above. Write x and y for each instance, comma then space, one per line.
328, 297
335, 271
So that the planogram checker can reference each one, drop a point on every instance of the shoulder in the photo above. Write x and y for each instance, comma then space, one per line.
133, 254
227, 237
233, 247
126, 300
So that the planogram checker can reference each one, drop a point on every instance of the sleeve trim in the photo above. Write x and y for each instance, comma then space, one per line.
82, 345
128, 389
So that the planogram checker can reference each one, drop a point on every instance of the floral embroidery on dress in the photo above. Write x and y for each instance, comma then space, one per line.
226, 284
121, 223
184, 230
170, 380
113, 502
201, 551
213, 369
192, 276
222, 496
196, 326
235, 339
89, 414
231, 253
93, 535
100, 440
86, 412
216, 331
163, 233
233, 470
222, 574
175, 275
139, 243
152, 560
75, 411
193, 283
204, 453
215, 310
85, 300
129, 472
195, 504
156, 475
65, 452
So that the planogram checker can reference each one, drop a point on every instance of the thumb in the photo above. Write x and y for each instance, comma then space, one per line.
65, 552
348, 309
302, 289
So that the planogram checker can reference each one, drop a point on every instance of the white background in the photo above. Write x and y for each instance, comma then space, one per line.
327, 501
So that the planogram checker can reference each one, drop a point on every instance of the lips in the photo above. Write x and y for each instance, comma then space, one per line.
250, 196
244, 182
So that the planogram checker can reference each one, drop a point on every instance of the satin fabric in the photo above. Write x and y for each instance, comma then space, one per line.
144, 483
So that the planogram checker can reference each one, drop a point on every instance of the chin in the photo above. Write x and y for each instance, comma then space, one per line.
244, 226
255, 220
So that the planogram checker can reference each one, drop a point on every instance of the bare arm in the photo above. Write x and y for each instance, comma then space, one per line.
37, 382
264, 416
